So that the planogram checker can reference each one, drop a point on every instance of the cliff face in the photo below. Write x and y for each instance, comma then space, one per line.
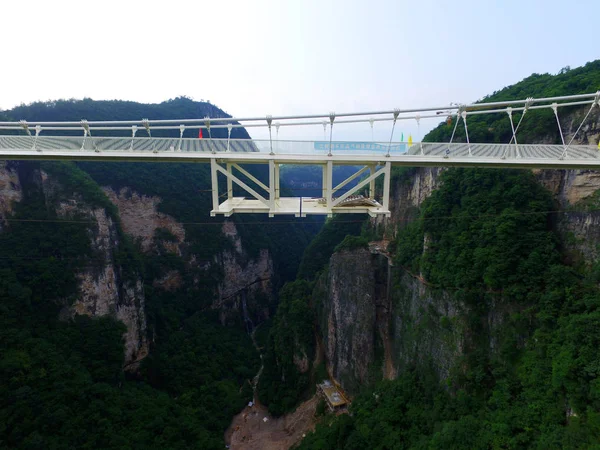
10, 189
247, 284
101, 290
351, 295
240, 273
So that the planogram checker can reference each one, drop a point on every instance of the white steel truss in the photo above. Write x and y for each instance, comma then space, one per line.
352, 201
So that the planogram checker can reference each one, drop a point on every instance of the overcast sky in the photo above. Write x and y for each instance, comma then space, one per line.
289, 56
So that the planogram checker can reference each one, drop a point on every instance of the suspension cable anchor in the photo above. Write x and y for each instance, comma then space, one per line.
87, 132
25, 126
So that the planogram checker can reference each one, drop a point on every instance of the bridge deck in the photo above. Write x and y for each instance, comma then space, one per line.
255, 151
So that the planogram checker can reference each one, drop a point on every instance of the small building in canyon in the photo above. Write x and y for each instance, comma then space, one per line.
335, 398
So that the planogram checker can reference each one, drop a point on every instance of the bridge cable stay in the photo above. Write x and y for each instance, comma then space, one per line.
86, 132
25, 126
453, 132
463, 114
596, 103
146, 124
528, 103
418, 119
514, 134
554, 107
396, 114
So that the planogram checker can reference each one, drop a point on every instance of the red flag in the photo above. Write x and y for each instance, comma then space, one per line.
200, 133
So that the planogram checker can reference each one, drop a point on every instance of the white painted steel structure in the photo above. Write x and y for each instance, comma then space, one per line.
105, 140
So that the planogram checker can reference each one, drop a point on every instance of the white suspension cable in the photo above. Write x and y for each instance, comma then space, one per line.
463, 114
331, 119
452, 137
596, 103
514, 134
562, 137
396, 113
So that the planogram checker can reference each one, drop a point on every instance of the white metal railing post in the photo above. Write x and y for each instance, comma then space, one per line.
210, 143
229, 127
38, 130
331, 119
181, 130
134, 129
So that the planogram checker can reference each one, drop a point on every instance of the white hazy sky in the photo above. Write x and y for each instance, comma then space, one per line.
288, 56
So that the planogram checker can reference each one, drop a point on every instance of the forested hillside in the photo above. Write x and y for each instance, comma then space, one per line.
63, 384
487, 245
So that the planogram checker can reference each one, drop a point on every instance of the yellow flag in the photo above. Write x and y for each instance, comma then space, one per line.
410, 140
598, 145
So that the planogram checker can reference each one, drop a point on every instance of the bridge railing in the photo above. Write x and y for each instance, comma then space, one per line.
415, 151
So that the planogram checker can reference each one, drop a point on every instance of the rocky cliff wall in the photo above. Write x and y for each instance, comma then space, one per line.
239, 272
101, 288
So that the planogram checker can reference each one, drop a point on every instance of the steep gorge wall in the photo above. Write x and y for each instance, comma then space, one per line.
102, 290
239, 272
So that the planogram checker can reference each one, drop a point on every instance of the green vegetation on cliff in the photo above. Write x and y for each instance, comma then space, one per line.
290, 344
536, 125
489, 242
63, 384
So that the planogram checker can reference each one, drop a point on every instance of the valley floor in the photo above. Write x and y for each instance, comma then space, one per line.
248, 430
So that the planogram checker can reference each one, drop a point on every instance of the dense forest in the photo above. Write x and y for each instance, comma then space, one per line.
63, 384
